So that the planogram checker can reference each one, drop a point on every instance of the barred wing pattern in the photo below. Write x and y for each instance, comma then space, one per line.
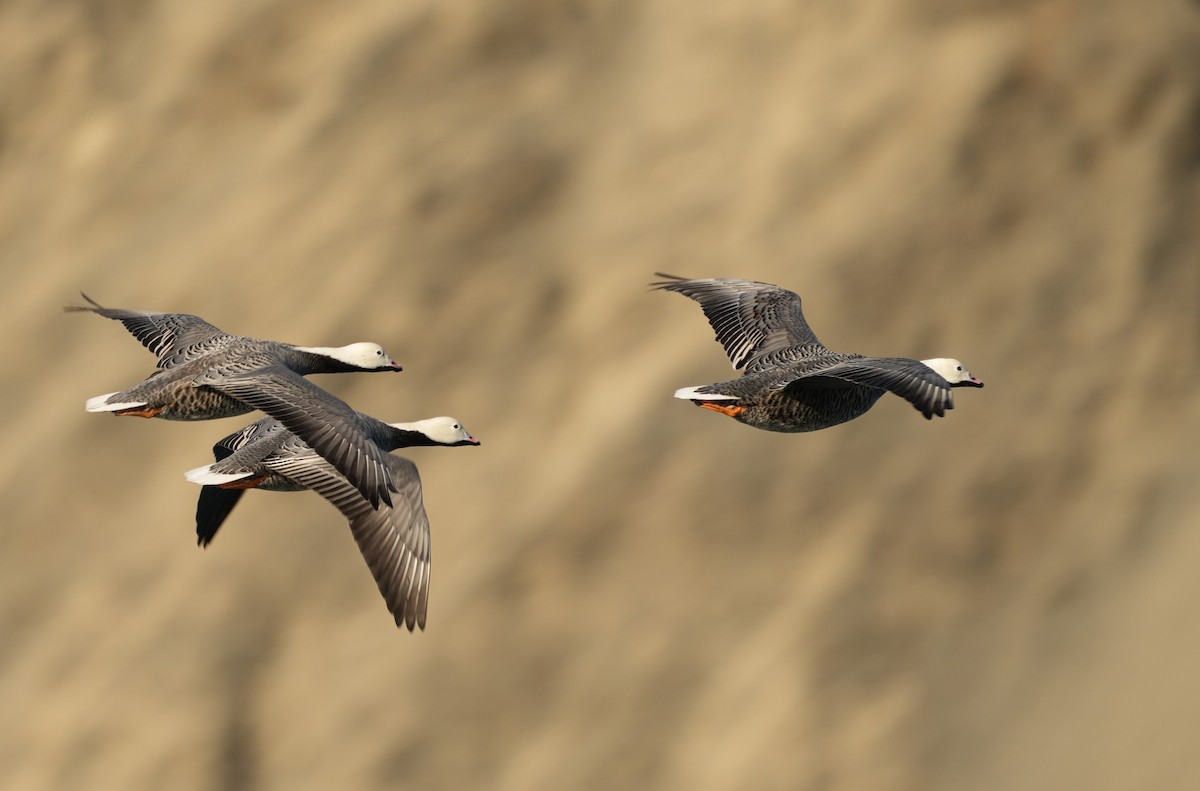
326, 423
394, 540
174, 338
751, 319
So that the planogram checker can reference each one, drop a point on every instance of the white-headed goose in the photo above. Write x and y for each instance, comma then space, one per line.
791, 382
205, 373
394, 539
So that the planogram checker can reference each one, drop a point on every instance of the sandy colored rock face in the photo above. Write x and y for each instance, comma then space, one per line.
628, 592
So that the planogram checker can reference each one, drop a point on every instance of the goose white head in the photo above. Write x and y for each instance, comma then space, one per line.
357, 356
953, 371
440, 431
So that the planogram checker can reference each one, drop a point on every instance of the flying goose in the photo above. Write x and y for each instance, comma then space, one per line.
791, 382
394, 539
204, 373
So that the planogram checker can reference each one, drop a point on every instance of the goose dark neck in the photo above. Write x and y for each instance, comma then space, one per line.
312, 361
395, 438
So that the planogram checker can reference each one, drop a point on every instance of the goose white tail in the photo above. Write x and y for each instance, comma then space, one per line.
100, 404
206, 477
690, 394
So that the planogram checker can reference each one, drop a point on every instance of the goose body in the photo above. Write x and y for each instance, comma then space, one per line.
205, 373
193, 389
394, 538
791, 381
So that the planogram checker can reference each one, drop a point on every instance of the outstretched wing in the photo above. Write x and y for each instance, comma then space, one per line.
912, 380
751, 319
175, 338
394, 540
325, 422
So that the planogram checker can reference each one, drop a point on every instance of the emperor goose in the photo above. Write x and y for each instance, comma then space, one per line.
205, 373
394, 539
791, 382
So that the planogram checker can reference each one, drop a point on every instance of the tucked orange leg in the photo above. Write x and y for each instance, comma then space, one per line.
244, 483
716, 406
139, 412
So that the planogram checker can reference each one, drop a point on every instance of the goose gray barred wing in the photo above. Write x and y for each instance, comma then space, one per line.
910, 379
256, 431
326, 423
245, 450
394, 540
751, 319
174, 338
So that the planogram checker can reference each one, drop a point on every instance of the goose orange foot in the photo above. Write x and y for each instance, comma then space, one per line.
139, 412
244, 483
732, 411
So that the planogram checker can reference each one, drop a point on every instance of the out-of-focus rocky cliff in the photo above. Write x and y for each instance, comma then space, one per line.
628, 592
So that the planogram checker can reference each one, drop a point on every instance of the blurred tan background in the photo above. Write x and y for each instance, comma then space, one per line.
628, 592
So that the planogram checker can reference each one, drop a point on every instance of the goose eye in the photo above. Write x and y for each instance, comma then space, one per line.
379, 352
959, 368
457, 427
